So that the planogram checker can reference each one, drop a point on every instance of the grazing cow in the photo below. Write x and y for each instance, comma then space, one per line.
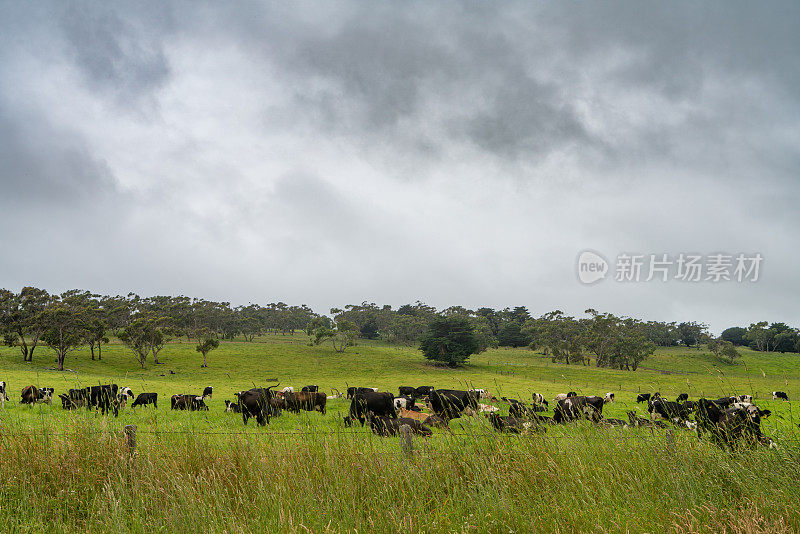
307, 401
538, 398
124, 395
287, 389
635, 420
449, 403
780, 395
353, 391
232, 407
104, 397
383, 425
192, 403
562, 396
256, 403
46, 395
642, 397
408, 403
519, 409
69, 404
574, 408
406, 391
683, 397
3, 394
609, 397
379, 403
208, 392
673, 411
144, 399
309, 389
423, 391
514, 425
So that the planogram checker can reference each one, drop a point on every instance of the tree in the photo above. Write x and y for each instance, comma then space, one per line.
735, 335
208, 344
728, 352
758, 336
343, 334
144, 335
450, 340
511, 335
691, 333
63, 327
20, 326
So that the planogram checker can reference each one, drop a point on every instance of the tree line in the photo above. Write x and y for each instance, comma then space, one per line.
74, 319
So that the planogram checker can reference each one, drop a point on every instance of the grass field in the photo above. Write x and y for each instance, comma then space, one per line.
70, 471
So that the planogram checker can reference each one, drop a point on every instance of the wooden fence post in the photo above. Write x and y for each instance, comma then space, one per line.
405, 439
130, 438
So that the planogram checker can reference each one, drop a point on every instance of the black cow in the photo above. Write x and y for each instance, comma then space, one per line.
384, 425
80, 394
353, 391
69, 404
379, 403
449, 403
309, 389
683, 397
232, 407
144, 399
423, 391
643, 397
780, 395
520, 409
407, 391
256, 403
104, 397
574, 408
730, 424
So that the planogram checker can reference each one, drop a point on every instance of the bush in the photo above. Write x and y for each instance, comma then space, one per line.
450, 340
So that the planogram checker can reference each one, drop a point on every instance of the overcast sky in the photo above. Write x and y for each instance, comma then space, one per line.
454, 153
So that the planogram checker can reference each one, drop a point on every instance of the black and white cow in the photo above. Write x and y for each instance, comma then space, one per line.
208, 392
3, 394
144, 399
609, 397
562, 396
780, 395
729, 425
404, 402
514, 425
574, 408
538, 399
672, 411
123, 396
232, 407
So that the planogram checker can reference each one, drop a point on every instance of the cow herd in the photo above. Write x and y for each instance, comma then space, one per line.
727, 421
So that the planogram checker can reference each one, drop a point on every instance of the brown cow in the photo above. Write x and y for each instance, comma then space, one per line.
30, 394
305, 400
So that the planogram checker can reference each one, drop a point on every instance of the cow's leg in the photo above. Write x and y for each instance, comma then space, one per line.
260, 419
245, 415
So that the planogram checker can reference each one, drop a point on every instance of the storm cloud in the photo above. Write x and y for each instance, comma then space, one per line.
455, 153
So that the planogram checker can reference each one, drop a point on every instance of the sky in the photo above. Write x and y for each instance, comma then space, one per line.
456, 153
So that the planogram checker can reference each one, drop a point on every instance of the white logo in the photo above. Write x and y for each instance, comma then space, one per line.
592, 267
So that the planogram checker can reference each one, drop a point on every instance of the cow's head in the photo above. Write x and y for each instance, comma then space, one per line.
608, 398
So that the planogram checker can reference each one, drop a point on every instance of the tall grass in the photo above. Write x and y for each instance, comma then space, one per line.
589, 480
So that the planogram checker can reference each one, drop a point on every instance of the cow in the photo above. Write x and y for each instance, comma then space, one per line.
614, 422
573, 408
383, 425
562, 396
780, 395
744, 398
69, 404
408, 403
538, 398
379, 403
423, 391
104, 398
488, 408
449, 403
353, 391
514, 425
3, 394
481, 393
189, 402
232, 407
123, 396
673, 411
609, 397
635, 420
519, 409
682, 397
144, 399
406, 391
731, 424
307, 401
80, 394
256, 403
287, 389
642, 397
46, 395
30, 394
309, 389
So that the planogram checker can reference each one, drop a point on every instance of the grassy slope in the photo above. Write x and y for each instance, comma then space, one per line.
191, 474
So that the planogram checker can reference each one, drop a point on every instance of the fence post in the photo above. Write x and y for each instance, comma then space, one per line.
405, 439
130, 438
